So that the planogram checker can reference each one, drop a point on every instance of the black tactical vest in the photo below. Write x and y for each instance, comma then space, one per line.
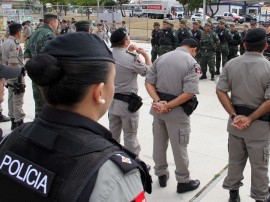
42, 162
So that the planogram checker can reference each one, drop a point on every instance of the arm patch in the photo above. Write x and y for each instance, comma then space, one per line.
124, 162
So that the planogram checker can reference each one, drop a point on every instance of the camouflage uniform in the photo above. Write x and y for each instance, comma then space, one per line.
34, 46
182, 34
233, 45
102, 35
155, 44
167, 41
224, 36
197, 34
242, 49
208, 43
12, 55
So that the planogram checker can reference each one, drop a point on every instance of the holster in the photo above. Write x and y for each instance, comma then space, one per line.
188, 107
134, 101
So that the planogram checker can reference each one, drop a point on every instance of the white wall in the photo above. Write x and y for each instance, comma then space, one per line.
109, 17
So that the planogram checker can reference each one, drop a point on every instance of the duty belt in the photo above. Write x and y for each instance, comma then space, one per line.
122, 97
241, 110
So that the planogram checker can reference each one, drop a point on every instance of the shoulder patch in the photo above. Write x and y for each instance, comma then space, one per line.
124, 162
197, 68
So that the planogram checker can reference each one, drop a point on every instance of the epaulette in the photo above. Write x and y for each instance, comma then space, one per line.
124, 162
135, 55
132, 53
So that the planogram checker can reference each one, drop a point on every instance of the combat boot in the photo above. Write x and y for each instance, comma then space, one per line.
212, 76
19, 123
4, 118
162, 180
217, 72
234, 196
13, 124
203, 76
190, 186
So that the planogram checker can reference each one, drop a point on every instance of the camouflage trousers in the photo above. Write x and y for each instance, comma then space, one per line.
207, 59
154, 52
39, 100
233, 50
165, 49
224, 54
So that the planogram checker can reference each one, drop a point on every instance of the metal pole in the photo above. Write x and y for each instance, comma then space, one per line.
129, 21
147, 25
97, 8
204, 10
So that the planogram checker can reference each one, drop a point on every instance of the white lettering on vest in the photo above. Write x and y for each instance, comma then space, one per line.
43, 183
28, 176
7, 157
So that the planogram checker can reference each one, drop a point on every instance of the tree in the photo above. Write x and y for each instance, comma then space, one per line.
211, 9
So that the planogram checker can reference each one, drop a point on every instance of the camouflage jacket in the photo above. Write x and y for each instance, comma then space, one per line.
37, 41
236, 36
209, 41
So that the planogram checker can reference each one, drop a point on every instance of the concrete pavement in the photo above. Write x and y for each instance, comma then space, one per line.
207, 149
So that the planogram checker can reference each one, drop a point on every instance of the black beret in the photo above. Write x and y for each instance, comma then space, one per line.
266, 24
118, 35
84, 46
193, 43
82, 23
14, 27
255, 36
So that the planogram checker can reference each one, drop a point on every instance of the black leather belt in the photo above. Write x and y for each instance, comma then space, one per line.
241, 110
122, 97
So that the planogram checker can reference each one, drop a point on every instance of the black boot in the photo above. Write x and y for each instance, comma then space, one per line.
162, 181
13, 124
4, 118
19, 123
234, 196
212, 76
217, 72
203, 76
191, 185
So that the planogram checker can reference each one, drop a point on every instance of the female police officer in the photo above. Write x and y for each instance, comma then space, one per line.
61, 155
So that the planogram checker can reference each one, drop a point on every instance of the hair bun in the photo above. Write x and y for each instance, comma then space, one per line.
44, 70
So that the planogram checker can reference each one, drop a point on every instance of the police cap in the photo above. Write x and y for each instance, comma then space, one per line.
209, 20
255, 36
199, 21
252, 22
64, 21
195, 23
232, 24
182, 21
99, 24
192, 43
222, 22
266, 24
50, 15
118, 35
156, 24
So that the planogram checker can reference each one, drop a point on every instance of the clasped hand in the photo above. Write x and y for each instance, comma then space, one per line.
160, 107
241, 122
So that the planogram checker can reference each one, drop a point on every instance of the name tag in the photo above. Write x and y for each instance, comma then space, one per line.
27, 173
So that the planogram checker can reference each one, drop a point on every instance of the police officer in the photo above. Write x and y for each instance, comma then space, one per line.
168, 38
233, 45
170, 120
208, 44
197, 34
266, 27
183, 32
224, 36
101, 34
248, 106
34, 46
6, 72
123, 112
155, 41
253, 25
65, 155
82, 26
243, 34
12, 55
200, 24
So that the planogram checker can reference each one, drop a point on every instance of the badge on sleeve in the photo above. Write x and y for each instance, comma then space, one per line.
197, 68
140, 198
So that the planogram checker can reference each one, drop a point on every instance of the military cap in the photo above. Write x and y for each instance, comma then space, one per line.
88, 47
156, 24
266, 24
182, 21
207, 24
82, 23
64, 21
199, 21
171, 24
255, 36
166, 22
252, 22
118, 35
50, 15
195, 23
222, 22
99, 24
232, 24
209, 20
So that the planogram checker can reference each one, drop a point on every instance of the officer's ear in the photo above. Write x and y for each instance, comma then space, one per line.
266, 46
98, 93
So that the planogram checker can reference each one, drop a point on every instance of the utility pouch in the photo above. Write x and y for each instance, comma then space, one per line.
135, 102
190, 105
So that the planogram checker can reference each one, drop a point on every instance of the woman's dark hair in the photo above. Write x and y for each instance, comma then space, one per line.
259, 47
66, 82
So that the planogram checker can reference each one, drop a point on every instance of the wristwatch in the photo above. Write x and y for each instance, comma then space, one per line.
232, 116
